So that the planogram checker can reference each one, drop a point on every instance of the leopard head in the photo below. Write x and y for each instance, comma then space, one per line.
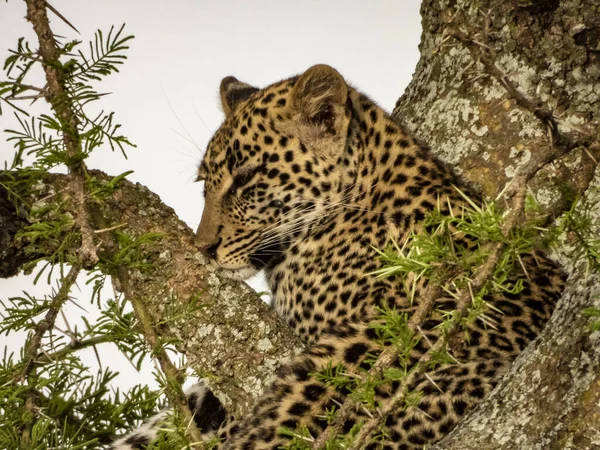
273, 169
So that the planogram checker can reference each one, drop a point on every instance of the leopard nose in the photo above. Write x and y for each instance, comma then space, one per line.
210, 250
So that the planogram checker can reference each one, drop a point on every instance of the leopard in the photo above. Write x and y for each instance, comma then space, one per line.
305, 180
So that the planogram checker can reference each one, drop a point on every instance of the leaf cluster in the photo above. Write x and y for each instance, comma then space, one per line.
594, 324
135, 252
42, 138
577, 232
455, 237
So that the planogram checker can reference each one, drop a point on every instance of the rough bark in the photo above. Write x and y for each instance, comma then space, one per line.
459, 105
235, 338
11, 255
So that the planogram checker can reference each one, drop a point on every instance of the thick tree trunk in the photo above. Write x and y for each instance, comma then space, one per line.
459, 104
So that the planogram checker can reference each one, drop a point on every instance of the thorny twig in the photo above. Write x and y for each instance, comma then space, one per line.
481, 277
33, 97
57, 95
32, 349
73, 346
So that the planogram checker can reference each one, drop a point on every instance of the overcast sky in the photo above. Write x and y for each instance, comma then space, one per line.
166, 95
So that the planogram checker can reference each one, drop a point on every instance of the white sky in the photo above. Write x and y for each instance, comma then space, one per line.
166, 96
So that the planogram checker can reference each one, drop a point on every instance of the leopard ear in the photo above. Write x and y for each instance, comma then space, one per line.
233, 92
320, 96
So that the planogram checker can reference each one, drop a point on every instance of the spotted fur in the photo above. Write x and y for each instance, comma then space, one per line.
208, 412
305, 179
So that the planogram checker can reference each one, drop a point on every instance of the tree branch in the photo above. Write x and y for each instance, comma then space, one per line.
59, 97
75, 345
34, 344
235, 339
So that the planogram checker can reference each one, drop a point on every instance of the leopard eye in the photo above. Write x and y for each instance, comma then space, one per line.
276, 204
243, 178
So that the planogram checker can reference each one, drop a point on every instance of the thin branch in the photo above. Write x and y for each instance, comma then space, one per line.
560, 143
32, 348
25, 87
72, 347
26, 97
63, 106
172, 374
47, 323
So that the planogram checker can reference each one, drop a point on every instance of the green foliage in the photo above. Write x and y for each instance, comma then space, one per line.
451, 241
578, 231
48, 397
181, 310
134, 252
392, 330
120, 327
335, 376
454, 242
18, 185
105, 55
99, 190
52, 236
80, 408
41, 138
593, 312
301, 439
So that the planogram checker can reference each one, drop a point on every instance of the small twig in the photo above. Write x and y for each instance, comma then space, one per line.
74, 346
47, 323
26, 86
560, 142
26, 97
104, 230
172, 374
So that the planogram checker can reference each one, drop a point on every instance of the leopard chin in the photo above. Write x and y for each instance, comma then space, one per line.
241, 274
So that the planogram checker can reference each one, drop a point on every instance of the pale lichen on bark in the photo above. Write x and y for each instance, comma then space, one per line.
221, 339
550, 50
462, 113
